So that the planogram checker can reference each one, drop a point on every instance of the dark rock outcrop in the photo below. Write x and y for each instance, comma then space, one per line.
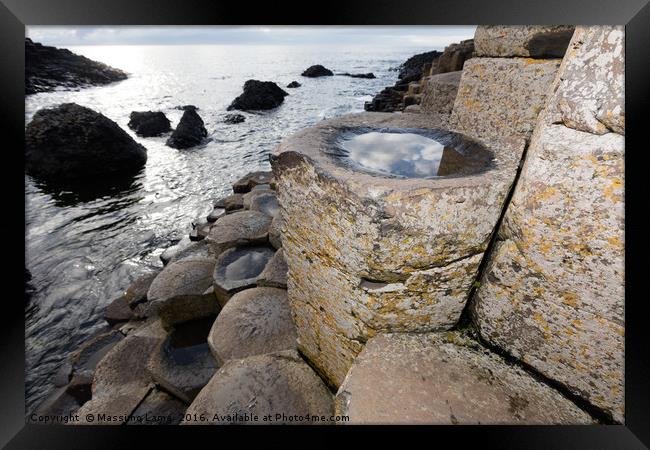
48, 68
294, 84
388, 100
232, 119
259, 95
71, 142
149, 123
317, 71
358, 75
411, 69
190, 131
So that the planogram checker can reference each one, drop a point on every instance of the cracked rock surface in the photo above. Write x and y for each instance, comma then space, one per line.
445, 379
553, 291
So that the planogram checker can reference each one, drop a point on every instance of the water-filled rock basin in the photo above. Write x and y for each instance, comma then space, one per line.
410, 153
385, 221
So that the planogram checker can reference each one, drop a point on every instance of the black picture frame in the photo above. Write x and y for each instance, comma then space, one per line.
15, 14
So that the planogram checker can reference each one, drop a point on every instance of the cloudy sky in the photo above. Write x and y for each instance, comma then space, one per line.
435, 37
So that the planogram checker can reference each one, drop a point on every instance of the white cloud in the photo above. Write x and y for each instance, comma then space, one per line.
430, 36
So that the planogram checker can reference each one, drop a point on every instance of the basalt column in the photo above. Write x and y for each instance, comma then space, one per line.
552, 293
372, 252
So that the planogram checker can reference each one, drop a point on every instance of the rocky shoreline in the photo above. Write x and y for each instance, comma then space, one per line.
320, 293
50, 68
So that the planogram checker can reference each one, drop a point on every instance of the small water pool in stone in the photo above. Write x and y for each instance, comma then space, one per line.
410, 153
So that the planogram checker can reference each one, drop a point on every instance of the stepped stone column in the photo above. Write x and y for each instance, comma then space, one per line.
368, 253
552, 294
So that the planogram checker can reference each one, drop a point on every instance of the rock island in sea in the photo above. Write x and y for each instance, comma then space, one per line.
475, 277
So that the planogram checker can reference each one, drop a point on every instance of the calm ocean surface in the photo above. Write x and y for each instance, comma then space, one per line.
83, 250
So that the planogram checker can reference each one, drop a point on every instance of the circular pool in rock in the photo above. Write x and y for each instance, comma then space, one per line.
410, 152
385, 221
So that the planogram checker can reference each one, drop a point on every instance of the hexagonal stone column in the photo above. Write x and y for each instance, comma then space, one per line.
370, 252
553, 290
279, 386
446, 379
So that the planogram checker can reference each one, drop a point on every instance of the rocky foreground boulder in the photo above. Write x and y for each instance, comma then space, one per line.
48, 68
317, 71
72, 142
259, 95
190, 131
149, 123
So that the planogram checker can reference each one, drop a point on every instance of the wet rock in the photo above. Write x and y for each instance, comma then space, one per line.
439, 93
237, 269
238, 228
86, 357
118, 311
358, 75
216, 214
265, 202
186, 108
259, 95
184, 249
232, 119
74, 143
370, 254
80, 387
59, 404
534, 41
500, 97
63, 374
231, 202
253, 322
553, 291
48, 68
294, 84
275, 272
183, 363
190, 131
275, 232
282, 385
446, 379
262, 187
453, 58
250, 180
158, 408
317, 71
121, 381
149, 123
181, 283
253, 193
136, 293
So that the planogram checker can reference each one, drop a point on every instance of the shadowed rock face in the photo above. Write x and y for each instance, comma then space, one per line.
149, 123
446, 379
317, 71
533, 41
259, 95
411, 69
369, 253
190, 131
183, 364
76, 144
48, 68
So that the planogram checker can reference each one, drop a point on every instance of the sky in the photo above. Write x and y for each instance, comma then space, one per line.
435, 37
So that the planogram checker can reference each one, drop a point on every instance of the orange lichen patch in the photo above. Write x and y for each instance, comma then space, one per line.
570, 298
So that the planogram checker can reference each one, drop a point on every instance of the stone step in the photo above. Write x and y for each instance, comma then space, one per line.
446, 378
